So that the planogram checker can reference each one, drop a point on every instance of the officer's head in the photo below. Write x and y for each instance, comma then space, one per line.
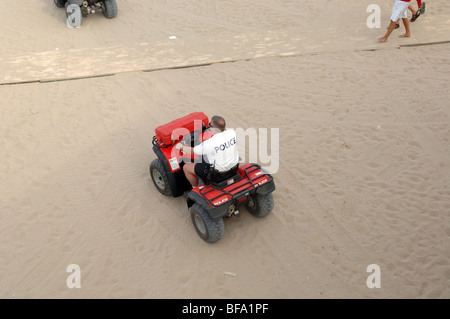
218, 122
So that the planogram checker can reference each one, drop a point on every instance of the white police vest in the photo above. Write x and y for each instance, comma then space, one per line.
220, 150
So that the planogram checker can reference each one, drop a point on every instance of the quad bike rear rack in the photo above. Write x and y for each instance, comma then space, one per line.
248, 186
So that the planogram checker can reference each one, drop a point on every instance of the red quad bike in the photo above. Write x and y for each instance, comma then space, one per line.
108, 7
222, 195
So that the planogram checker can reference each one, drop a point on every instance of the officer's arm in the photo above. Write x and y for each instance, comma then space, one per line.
184, 148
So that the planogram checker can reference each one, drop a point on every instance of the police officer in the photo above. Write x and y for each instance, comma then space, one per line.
220, 151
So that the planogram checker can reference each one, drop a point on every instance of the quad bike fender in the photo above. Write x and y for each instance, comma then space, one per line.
213, 211
262, 185
266, 188
216, 200
177, 180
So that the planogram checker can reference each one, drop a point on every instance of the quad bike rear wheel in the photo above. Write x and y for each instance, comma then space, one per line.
260, 205
159, 177
209, 229
110, 9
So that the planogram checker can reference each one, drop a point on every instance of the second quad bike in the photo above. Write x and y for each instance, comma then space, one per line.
223, 194
107, 7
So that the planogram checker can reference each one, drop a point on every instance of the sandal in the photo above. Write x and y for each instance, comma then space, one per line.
414, 18
422, 10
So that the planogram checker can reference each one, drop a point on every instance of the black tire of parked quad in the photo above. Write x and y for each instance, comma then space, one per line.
260, 205
159, 177
60, 3
209, 229
110, 10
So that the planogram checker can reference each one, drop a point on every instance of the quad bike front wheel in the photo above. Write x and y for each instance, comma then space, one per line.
260, 205
110, 9
209, 229
159, 177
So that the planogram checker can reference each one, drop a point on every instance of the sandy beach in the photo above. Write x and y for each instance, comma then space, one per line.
362, 176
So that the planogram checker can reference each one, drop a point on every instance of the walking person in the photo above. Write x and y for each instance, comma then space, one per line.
399, 11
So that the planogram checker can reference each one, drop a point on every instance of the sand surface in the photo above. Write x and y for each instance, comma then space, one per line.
363, 174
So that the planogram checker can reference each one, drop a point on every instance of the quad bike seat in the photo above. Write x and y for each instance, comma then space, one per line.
222, 179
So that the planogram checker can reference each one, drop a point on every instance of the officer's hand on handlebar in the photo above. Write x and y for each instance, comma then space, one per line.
180, 145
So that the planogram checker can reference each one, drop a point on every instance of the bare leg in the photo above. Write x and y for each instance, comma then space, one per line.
189, 171
408, 30
389, 31
415, 13
411, 8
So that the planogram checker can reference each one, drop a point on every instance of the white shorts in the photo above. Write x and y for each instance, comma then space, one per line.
400, 10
